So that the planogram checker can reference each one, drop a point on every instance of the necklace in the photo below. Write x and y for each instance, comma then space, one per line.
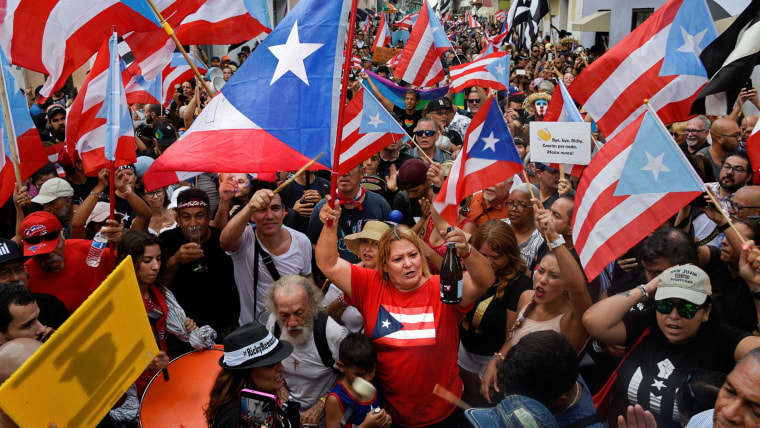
577, 395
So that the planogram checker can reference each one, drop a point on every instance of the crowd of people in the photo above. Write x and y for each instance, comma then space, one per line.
329, 300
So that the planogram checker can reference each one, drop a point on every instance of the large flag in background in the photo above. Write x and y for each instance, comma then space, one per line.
99, 124
395, 93
729, 61
406, 22
636, 182
176, 72
562, 109
28, 144
223, 22
56, 37
490, 71
280, 109
367, 129
658, 61
141, 91
523, 17
420, 63
383, 36
488, 157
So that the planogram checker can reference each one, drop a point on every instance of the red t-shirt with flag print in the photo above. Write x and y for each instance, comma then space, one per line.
416, 339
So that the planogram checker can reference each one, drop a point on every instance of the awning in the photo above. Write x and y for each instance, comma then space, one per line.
597, 21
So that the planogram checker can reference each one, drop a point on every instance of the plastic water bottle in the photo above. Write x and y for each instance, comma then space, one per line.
99, 243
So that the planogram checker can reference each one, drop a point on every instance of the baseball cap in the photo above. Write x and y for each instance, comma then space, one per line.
226, 58
439, 104
100, 213
412, 173
514, 90
53, 189
543, 166
685, 282
9, 251
165, 134
55, 108
40, 231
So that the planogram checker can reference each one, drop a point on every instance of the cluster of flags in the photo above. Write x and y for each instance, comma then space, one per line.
635, 182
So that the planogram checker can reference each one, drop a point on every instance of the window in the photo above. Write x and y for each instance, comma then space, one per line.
640, 15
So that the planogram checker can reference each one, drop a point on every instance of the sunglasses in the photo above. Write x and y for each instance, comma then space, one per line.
426, 133
34, 240
474, 101
686, 310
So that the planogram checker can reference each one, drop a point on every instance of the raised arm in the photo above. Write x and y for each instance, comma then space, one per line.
79, 221
232, 234
479, 275
326, 251
384, 101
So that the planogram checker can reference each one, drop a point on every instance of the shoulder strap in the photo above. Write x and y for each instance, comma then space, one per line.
320, 339
258, 249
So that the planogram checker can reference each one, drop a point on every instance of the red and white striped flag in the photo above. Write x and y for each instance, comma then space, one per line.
471, 21
223, 22
406, 22
636, 182
176, 72
501, 15
490, 71
96, 128
420, 62
56, 37
393, 61
753, 150
658, 61
356, 62
562, 109
383, 36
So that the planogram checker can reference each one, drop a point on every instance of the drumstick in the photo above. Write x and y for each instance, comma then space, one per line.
449, 396
299, 172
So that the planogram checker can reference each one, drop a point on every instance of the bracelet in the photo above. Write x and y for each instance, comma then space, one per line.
341, 300
723, 227
644, 293
497, 356
436, 189
98, 194
125, 194
469, 251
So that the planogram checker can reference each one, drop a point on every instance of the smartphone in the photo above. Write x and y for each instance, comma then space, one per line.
550, 56
748, 85
520, 72
257, 409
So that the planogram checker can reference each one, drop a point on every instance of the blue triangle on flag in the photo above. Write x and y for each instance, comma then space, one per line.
494, 141
655, 164
500, 68
375, 118
690, 33
386, 324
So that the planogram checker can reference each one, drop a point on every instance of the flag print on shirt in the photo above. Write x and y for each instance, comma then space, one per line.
399, 326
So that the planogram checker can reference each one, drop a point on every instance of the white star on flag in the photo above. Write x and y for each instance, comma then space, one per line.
386, 324
290, 56
655, 165
490, 142
499, 69
691, 43
375, 120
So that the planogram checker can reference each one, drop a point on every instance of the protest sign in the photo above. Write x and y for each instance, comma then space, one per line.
88, 363
560, 142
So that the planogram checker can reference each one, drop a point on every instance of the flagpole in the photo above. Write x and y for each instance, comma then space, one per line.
9, 128
299, 172
170, 31
342, 106
112, 190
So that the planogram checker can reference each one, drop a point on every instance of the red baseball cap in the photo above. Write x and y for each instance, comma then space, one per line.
40, 231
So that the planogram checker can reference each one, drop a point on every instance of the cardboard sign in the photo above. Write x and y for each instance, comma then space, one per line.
560, 142
382, 55
85, 366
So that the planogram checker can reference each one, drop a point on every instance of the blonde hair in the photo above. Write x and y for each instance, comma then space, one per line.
384, 248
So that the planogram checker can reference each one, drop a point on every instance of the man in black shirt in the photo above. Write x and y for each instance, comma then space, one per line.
203, 278
407, 116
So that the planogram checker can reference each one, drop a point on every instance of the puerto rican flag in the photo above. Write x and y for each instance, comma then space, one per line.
56, 37
393, 61
636, 182
658, 61
490, 71
420, 62
356, 62
139, 90
366, 24
223, 22
31, 154
99, 123
368, 129
406, 22
753, 150
501, 15
176, 72
561, 111
243, 128
398, 326
488, 156
383, 36
471, 21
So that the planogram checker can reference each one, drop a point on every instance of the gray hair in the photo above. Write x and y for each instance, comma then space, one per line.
707, 122
523, 187
290, 283
428, 119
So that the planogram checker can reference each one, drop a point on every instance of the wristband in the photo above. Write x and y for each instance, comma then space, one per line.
723, 227
644, 293
341, 300
469, 251
97, 194
124, 194
497, 356
436, 189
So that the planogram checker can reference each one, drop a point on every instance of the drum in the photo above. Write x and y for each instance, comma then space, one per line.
180, 401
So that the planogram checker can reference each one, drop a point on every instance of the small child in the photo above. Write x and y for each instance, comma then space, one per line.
357, 359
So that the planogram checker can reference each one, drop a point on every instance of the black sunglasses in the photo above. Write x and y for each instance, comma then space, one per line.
474, 100
426, 133
686, 310
34, 240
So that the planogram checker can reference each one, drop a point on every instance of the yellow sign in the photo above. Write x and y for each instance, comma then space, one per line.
85, 366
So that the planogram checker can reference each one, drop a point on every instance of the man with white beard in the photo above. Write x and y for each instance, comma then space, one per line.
297, 316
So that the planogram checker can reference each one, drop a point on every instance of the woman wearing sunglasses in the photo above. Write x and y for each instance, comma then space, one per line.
684, 332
